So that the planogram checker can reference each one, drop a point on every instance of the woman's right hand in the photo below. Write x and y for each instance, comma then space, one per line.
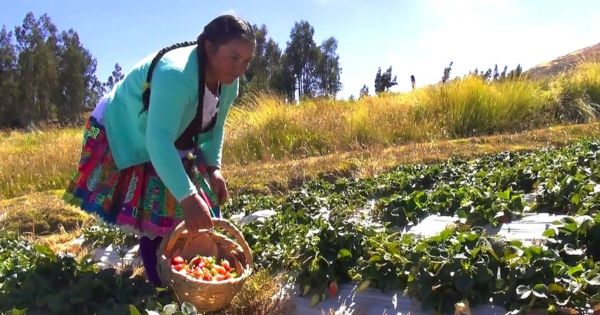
196, 214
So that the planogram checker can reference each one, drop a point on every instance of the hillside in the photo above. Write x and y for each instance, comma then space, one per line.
564, 63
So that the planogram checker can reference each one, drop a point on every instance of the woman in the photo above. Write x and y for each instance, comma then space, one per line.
151, 142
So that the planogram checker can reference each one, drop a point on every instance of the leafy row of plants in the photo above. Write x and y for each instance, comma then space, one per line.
461, 263
35, 280
322, 234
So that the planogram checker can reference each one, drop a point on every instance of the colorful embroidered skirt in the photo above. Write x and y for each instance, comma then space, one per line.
134, 198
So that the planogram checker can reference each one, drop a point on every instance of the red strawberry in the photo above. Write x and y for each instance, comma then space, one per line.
177, 267
333, 289
226, 265
177, 260
220, 270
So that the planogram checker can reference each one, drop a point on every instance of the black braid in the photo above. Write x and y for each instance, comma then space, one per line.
160, 54
219, 31
202, 59
186, 140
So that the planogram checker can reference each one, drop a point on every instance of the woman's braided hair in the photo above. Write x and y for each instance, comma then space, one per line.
219, 31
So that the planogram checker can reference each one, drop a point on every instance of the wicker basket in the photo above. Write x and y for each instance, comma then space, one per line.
206, 296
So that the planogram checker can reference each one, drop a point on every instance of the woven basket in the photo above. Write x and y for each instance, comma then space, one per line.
206, 296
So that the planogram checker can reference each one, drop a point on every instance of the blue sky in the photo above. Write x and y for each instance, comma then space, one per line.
415, 37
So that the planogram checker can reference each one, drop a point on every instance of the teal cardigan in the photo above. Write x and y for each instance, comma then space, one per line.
134, 139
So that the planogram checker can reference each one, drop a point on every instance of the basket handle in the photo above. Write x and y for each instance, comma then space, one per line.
222, 224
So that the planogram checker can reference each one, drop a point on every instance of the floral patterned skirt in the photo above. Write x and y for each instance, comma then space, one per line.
134, 198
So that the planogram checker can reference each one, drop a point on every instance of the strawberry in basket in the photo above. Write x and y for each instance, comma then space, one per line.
204, 268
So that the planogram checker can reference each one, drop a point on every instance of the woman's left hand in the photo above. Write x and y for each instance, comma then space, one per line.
217, 183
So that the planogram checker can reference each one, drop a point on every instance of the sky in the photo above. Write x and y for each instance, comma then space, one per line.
415, 37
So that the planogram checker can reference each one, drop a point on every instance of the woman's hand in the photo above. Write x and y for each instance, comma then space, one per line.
218, 185
196, 214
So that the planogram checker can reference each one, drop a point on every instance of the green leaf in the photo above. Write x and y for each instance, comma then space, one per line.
471, 237
344, 254
575, 270
504, 195
540, 290
571, 251
364, 285
188, 309
576, 199
594, 281
170, 309
17, 311
314, 300
133, 310
464, 283
523, 291
44, 250
570, 227
550, 232
556, 289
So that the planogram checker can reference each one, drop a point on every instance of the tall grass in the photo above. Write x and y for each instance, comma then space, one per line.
267, 128
577, 96
470, 106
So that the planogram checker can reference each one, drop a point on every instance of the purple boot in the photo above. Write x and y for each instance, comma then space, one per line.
148, 248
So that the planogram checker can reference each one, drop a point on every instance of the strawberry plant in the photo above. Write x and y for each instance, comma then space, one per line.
35, 279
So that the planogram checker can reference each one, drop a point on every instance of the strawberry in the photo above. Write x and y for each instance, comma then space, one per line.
177, 260
333, 289
226, 265
177, 267
220, 270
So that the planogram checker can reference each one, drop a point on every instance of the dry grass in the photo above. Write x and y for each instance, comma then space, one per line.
266, 128
46, 219
37, 161
62, 243
261, 295
41, 214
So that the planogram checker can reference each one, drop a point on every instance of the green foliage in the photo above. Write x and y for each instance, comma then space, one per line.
326, 232
470, 106
384, 81
104, 235
35, 279
47, 75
